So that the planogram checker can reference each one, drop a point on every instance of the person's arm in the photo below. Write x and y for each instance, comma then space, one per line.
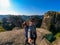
29, 39
28, 33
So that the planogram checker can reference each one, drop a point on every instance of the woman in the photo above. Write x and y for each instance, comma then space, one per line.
25, 25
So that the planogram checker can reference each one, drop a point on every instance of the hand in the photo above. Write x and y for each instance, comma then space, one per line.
29, 40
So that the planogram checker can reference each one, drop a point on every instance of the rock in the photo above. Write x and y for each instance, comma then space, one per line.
12, 38
56, 42
41, 40
16, 28
45, 42
16, 37
48, 19
51, 22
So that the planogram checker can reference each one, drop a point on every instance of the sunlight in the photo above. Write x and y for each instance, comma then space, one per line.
5, 8
4, 3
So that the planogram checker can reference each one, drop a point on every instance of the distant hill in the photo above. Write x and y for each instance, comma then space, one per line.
27, 17
24, 17
3, 16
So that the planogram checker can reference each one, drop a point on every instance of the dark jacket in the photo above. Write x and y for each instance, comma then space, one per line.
32, 31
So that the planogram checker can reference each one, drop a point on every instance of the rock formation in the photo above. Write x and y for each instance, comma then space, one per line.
51, 21
49, 18
16, 37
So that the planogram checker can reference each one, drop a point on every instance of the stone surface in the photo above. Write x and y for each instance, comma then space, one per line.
16, 37
56, 42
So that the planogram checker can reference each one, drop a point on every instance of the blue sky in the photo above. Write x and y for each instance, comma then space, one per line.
31, 7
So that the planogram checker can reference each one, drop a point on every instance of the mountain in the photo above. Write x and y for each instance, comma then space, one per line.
3, 16
24, 17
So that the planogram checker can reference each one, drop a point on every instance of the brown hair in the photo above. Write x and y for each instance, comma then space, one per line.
25, 23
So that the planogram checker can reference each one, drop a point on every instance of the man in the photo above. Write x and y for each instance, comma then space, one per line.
32, 35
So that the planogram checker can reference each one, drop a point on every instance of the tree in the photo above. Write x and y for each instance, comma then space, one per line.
17, 21
7, 25
11, 22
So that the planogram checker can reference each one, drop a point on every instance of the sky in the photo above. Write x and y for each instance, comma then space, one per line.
28, 7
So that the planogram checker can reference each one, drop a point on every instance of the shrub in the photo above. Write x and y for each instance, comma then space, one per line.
57, 35
50, 37
2, 29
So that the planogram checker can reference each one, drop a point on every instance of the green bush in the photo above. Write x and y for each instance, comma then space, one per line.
57, 35
2, 29
50, 37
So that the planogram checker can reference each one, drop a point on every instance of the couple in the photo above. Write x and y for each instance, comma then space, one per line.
30, 32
